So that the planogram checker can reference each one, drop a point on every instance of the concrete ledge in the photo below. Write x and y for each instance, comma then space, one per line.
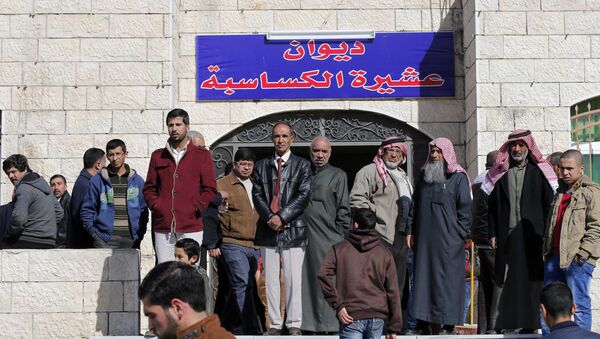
65, 293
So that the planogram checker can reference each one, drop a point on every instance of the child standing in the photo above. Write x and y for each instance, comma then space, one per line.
188, 251
365, 292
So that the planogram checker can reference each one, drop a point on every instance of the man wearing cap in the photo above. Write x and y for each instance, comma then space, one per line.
384, 188
521, 187
440, 222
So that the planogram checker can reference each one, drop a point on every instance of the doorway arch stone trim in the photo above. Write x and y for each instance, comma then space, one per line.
342, 127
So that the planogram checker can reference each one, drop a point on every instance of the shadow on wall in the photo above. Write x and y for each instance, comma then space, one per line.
116, 303
443, 117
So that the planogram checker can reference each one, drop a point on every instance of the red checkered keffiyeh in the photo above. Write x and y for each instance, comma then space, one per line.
390, 142
449, 156
503, 161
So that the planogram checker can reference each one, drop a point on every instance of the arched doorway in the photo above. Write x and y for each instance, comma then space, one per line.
355, 137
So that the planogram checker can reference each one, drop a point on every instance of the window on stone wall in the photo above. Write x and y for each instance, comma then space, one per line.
585, 134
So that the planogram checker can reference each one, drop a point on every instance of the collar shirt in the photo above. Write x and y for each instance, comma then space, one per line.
247, 183
178, 154
285, 157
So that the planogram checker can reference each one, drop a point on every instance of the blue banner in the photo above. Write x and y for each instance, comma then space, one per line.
392, 65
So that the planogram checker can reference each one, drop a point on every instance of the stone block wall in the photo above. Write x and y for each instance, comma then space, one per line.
529, 61
435, 116
75, 74
69, 293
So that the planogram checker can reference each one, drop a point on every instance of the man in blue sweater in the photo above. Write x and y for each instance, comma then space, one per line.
114, 211
557, 308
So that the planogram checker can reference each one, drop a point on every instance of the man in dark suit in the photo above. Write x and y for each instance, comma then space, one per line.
557, 308
281, 192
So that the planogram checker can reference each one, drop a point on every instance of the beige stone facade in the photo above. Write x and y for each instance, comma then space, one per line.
69, 293
74, 74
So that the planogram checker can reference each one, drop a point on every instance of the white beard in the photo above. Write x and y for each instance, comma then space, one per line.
434, 172
391, 165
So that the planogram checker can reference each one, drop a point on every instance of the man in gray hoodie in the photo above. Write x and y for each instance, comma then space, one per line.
35, 209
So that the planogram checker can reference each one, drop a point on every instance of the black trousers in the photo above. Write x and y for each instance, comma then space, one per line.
485, 293
399, 251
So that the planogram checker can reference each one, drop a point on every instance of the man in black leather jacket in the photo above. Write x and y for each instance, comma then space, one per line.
280, 193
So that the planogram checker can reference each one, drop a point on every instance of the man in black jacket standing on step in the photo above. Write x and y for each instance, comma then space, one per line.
280, 193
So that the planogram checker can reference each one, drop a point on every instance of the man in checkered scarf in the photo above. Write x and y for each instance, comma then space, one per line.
441, 218
383, 187
521, 186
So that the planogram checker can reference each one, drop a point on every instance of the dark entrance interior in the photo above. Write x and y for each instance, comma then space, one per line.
349, 158
355, 137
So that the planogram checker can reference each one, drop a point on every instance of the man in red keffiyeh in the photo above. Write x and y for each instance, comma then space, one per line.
521, 186
384, 188
441, 218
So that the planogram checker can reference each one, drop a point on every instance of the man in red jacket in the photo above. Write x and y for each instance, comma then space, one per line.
179, 186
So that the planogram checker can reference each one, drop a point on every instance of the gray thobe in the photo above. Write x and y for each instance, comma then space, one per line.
441, 220
328, 219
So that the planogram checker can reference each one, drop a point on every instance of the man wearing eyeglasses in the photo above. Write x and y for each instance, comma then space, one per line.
114, 212
238, 223
383, 187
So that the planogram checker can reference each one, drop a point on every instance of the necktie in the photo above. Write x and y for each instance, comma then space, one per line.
275, 201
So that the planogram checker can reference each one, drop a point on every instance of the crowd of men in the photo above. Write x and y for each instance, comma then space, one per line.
293, 225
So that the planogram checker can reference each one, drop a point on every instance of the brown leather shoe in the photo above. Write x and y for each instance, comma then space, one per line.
294, 331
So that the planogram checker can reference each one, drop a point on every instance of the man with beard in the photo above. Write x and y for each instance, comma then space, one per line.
58, 184
35, 209
383, 187
327, 220
441, 217
173, 297
180, 185
520, 186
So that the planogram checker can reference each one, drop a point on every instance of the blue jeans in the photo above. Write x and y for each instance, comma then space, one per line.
371, 328
241, 263
468, 298
579, 279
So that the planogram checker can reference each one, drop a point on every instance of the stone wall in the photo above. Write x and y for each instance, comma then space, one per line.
435, 116
69, 293
529, 61
75, 74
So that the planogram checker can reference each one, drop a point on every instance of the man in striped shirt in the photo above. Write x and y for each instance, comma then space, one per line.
114, 211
